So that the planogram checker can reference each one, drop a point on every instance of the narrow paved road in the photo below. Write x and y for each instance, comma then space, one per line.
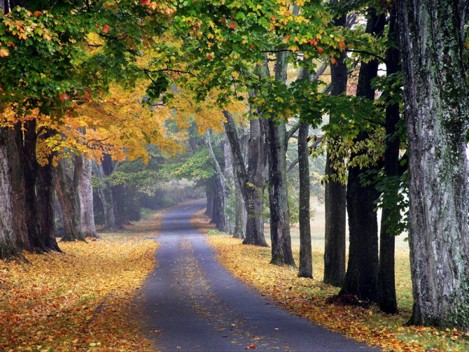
192, 303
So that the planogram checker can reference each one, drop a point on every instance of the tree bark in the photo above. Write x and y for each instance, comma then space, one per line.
361, 278
335, 192
45, 208
278, 189
105, 196
219, 216
386, 276
306, 256
437, 116
85, 194
69, 202
8, 244
251, 180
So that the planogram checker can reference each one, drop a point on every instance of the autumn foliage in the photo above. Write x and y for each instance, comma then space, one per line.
80, 300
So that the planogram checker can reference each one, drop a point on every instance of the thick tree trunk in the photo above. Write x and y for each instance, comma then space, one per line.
335, 192
45, 206
437, 115
69, 202
31, 192
306, 256
8, 244
250, 180
278, 189
18, 200
85, 194
361, 278
386, 275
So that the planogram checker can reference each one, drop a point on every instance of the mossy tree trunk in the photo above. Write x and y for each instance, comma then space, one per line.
437, 115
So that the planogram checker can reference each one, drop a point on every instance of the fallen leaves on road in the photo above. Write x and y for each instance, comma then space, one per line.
307, 298
77, 301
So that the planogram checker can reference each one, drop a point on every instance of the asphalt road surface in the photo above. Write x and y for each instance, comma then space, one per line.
191, 303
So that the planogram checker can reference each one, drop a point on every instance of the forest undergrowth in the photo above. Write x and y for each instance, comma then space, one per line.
308, 298
80, 300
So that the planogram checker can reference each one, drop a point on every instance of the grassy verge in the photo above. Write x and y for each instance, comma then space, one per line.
307, 298
80, 300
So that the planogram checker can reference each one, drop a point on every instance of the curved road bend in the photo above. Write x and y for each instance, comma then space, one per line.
191, 303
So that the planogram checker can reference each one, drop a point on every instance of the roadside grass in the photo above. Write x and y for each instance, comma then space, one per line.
307, 298
80, 300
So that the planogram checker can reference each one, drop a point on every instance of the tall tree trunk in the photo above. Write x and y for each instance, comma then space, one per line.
116, 193
219, 218
437, 115
361, 278
85, 195
250, 180
69, 202
306, 256
8, 244
105, 196
278, 189
386, 275
335, 191
230, 188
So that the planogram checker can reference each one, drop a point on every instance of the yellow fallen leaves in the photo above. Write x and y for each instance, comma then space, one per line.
80, 300
307, 298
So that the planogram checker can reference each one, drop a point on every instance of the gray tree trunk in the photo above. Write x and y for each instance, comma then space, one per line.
278, 188
251, 180
105, 197
67, 195
85, 194
8, 246
306, 256
219, 216
437, 114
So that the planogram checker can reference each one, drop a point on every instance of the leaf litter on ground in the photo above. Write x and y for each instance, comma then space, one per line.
309, 298
79, 300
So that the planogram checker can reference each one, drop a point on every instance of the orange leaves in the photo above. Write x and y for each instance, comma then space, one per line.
64, 97
4, 52
76, 301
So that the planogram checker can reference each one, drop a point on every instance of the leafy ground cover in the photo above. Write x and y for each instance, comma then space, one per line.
308, 298
80, 300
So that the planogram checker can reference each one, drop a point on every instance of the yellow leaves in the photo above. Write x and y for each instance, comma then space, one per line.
76, 301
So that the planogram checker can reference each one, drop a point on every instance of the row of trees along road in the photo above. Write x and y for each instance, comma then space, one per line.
109, 77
